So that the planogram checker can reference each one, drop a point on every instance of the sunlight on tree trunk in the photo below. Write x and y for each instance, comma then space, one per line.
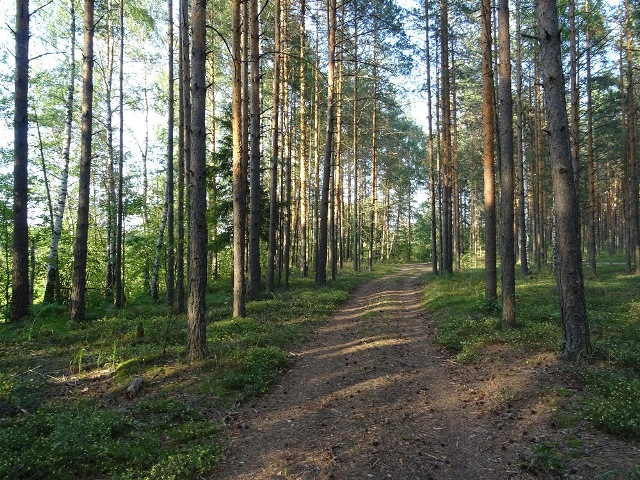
576, 340
79, 283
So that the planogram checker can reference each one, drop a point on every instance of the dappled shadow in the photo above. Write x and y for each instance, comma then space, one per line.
373, 396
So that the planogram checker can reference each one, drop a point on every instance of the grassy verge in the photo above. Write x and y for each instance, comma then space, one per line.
467, 326
63, 409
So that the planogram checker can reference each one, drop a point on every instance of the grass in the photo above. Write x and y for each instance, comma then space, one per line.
467, 326
63, 409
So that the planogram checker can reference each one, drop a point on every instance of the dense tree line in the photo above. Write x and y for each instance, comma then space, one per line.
266, 139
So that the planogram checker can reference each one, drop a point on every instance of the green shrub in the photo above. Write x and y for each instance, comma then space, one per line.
614, 405
257, 369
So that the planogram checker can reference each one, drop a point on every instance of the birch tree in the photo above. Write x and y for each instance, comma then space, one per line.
52, 264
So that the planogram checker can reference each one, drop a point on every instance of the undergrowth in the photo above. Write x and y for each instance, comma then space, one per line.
63, 409
467, 326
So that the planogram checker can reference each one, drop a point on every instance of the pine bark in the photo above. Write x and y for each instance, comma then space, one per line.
576, 339
432, 173
20, 276
505, 105
184, 153
447, 177
488, 154
591, 177
634, 210
356, 166
304, 164
196, 309
170, 166
239, 172
79, 281
253, 286
374, 155
275, 146
522, 219
321, 260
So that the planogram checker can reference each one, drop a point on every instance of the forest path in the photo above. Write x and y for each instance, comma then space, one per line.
371, 395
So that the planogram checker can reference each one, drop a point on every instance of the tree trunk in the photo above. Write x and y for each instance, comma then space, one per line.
253, 287
455, 180
321, 260
286, 150
170, 182
522, 219
239, 173
275, 136
575, 109
184, 152
304, 165
432, 177
159, 242
111, 197
488, 154
44, 173
507, 251
634, 224
374, 154
592, 177
356, 214
196, 311
20, 278
119, 270
447, 177
576, 341
52, 265
79, 282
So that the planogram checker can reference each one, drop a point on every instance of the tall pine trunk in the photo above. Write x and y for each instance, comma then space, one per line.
432, 153
79, 282
20, 279
505, 126
576, 339
253, 286
304, 164
447, 174
488, 154
196, 310
321, 260
170, 177
356, 166
275, 136
591, 165
522, 219
239, 173
634, 211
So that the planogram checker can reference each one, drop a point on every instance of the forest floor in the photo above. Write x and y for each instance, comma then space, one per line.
372, 395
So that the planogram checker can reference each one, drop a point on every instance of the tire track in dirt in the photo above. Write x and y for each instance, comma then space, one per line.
371, 395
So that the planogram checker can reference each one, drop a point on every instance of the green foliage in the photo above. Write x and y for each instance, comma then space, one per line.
152, 439
546, 458
466, 325
613, 405
63, 412
257, 369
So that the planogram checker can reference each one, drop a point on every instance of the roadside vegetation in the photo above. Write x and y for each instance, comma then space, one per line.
467, 326
64, 411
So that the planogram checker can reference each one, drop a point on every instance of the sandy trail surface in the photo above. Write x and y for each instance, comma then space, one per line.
371, 395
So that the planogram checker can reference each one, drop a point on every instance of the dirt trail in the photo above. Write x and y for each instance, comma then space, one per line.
373, 396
